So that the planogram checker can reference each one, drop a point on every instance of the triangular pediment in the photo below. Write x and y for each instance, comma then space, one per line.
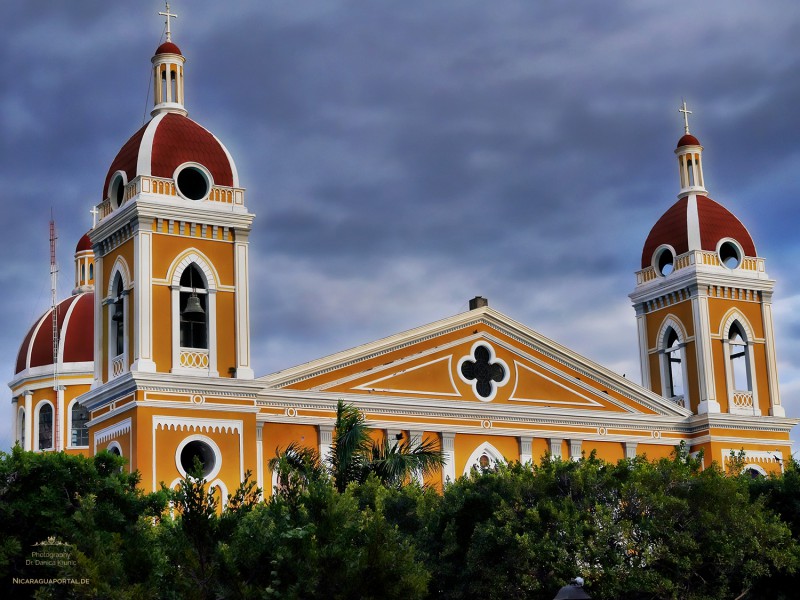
480, 357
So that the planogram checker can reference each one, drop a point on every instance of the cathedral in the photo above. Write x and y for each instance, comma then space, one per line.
150, 356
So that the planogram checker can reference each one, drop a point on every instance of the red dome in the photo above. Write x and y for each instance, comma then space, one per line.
168, 48
688, 140
166, 142
84, 244
700, 225
76, 335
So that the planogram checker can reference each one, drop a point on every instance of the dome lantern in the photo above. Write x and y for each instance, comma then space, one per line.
690, 154
168, 74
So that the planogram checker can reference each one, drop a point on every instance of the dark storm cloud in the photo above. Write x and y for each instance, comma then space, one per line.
403, 157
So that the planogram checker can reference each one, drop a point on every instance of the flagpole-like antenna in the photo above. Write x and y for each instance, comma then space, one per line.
54, 311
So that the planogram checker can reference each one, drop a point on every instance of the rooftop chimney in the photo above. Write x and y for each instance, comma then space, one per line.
478, 302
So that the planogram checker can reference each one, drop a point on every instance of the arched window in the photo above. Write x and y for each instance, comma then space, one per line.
91, 271
740, 376
79, 431
740, 371
674, 365
484, 456
45, 427
193, 306
193, 309
118, 318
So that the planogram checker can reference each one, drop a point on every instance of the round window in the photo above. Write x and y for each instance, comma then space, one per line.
198, 453
664, 261
193, 183
730, 255
116, 191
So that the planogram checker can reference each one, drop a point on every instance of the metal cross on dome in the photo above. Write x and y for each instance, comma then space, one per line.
168, 16
482, 371
686, 112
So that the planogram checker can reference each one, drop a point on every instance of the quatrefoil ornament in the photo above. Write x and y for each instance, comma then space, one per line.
482, 370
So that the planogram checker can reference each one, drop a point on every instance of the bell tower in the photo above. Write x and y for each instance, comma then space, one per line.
171, 246
703, 304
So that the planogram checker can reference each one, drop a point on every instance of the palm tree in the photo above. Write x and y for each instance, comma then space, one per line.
296, 466
354, 455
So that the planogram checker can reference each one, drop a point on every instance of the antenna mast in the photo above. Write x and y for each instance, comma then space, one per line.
54, 311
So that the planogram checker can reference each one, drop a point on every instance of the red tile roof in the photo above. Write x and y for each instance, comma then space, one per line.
715, 222
77, 334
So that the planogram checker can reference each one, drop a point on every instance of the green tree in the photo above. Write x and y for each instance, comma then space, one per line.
636, 529
323, 544
194, 541
91, 504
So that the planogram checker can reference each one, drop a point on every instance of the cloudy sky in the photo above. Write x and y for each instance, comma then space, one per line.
404, 156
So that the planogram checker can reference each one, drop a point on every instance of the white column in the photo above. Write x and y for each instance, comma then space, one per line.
260, 457
555, 447
325, 441
244, 369
705, 364
28, 421
143, 299
448, 450
525, 449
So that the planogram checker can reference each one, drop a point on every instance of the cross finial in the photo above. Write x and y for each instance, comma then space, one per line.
168, 16
686, 112
94, 212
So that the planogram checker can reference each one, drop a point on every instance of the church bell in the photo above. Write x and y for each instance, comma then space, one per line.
193, 310
117, 317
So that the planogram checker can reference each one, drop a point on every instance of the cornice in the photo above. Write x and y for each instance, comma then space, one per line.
697, 275
128, 383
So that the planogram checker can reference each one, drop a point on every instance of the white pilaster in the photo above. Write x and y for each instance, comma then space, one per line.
15, 416
555, 447
575, 449
175, 320
525, 449
143, 299
630, 449
244, 369
644, 356
325, 441
448, 450
99, 335
212, 332
415, 438
61, 424
28, 421
260, 457
705, 365
776, 409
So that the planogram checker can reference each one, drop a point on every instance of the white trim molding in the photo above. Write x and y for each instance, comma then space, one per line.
112, 431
